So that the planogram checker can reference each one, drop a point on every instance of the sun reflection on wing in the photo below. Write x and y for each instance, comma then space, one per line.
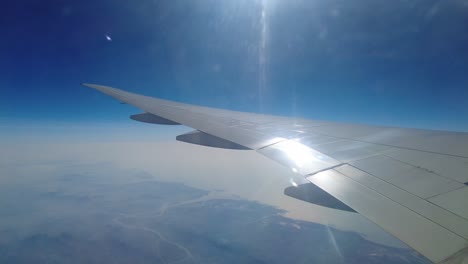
299, 157
293, 182
298, 153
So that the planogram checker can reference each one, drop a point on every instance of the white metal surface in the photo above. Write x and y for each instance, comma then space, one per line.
417, 231
350, 150
454, 168
442, 142
415, 180
456, 201
439, 215
298, 157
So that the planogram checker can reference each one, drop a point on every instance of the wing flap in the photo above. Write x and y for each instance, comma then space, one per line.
429, 238
437, 214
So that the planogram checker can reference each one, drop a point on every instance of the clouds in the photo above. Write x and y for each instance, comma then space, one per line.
244, 174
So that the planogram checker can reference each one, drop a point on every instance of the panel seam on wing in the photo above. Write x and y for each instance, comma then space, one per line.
274, 143
421, 168
398, 202
424, 199
325, 169
435, 195
381, 144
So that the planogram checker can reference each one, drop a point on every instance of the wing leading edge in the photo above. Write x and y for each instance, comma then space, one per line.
411, 182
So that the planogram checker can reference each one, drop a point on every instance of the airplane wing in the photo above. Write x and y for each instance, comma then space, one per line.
411, 182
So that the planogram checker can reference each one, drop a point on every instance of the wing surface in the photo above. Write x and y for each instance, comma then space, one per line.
411, 182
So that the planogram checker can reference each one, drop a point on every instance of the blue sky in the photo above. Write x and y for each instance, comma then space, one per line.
399, 63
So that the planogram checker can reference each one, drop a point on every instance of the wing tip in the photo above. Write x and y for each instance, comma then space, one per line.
95, 86
90, 85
